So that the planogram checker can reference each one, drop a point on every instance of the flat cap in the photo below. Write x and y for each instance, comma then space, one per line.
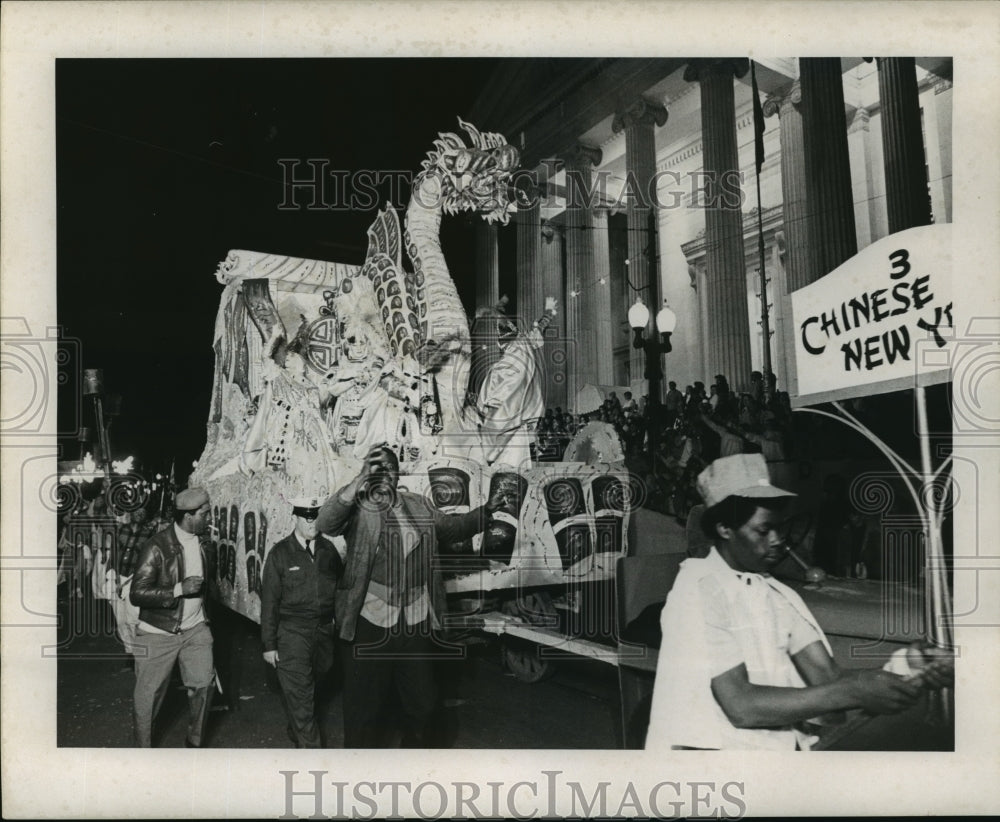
190, 499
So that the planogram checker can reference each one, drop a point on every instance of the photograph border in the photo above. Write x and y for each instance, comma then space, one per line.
42, 780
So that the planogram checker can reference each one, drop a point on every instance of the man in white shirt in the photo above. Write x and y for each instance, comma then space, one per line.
743, 661
168, 588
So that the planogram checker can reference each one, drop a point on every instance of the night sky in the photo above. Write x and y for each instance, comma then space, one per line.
163, 166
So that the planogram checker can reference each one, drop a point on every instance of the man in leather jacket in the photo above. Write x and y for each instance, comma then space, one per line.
168, 587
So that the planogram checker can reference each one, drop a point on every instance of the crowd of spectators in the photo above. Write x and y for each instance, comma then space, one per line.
669, 444
98, 546
698, 426
558, 427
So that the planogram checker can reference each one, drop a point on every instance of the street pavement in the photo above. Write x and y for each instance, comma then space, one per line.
483, 705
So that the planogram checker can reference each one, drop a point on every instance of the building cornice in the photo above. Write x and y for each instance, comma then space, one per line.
694, 249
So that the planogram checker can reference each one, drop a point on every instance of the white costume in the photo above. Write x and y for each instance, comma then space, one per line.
510, 402
288, 435
716, 618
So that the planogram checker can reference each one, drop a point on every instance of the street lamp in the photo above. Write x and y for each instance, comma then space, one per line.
666, 321
93, 386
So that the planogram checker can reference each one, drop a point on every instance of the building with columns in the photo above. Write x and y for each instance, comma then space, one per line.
641, 183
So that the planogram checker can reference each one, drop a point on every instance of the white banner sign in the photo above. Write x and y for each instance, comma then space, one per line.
882, 321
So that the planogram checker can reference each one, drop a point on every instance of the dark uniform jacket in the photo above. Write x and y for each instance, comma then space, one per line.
158, 570
363, 526
297, 587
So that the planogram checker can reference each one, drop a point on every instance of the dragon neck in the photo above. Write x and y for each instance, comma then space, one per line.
446, 322
446, 316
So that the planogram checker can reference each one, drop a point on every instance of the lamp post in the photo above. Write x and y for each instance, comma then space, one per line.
93, 386
653, 348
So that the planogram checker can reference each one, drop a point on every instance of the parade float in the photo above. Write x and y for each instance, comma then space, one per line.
315, 362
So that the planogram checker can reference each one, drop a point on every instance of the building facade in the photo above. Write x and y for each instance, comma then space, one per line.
641, 183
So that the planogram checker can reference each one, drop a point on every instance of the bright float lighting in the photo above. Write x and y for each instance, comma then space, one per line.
85, 471
123, 467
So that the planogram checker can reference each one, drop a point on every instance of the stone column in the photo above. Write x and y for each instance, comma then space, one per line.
529, 262
729, 325
637, 121
604, 322
943, 123
581, 277
558, 352
907, 198
937, 137
487, 266
786, 104
869, 210
832, 236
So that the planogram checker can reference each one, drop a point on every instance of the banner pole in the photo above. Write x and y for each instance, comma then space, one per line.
936, 581
936, 594
765, 323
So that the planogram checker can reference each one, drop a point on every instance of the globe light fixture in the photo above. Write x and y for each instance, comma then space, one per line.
666, 320
638, 316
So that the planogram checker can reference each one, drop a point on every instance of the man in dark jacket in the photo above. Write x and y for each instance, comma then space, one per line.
168, 587
390, 599
296, 617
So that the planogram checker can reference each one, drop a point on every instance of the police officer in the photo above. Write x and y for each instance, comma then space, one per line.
296, 617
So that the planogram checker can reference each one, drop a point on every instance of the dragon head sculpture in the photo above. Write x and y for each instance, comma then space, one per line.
476, 177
